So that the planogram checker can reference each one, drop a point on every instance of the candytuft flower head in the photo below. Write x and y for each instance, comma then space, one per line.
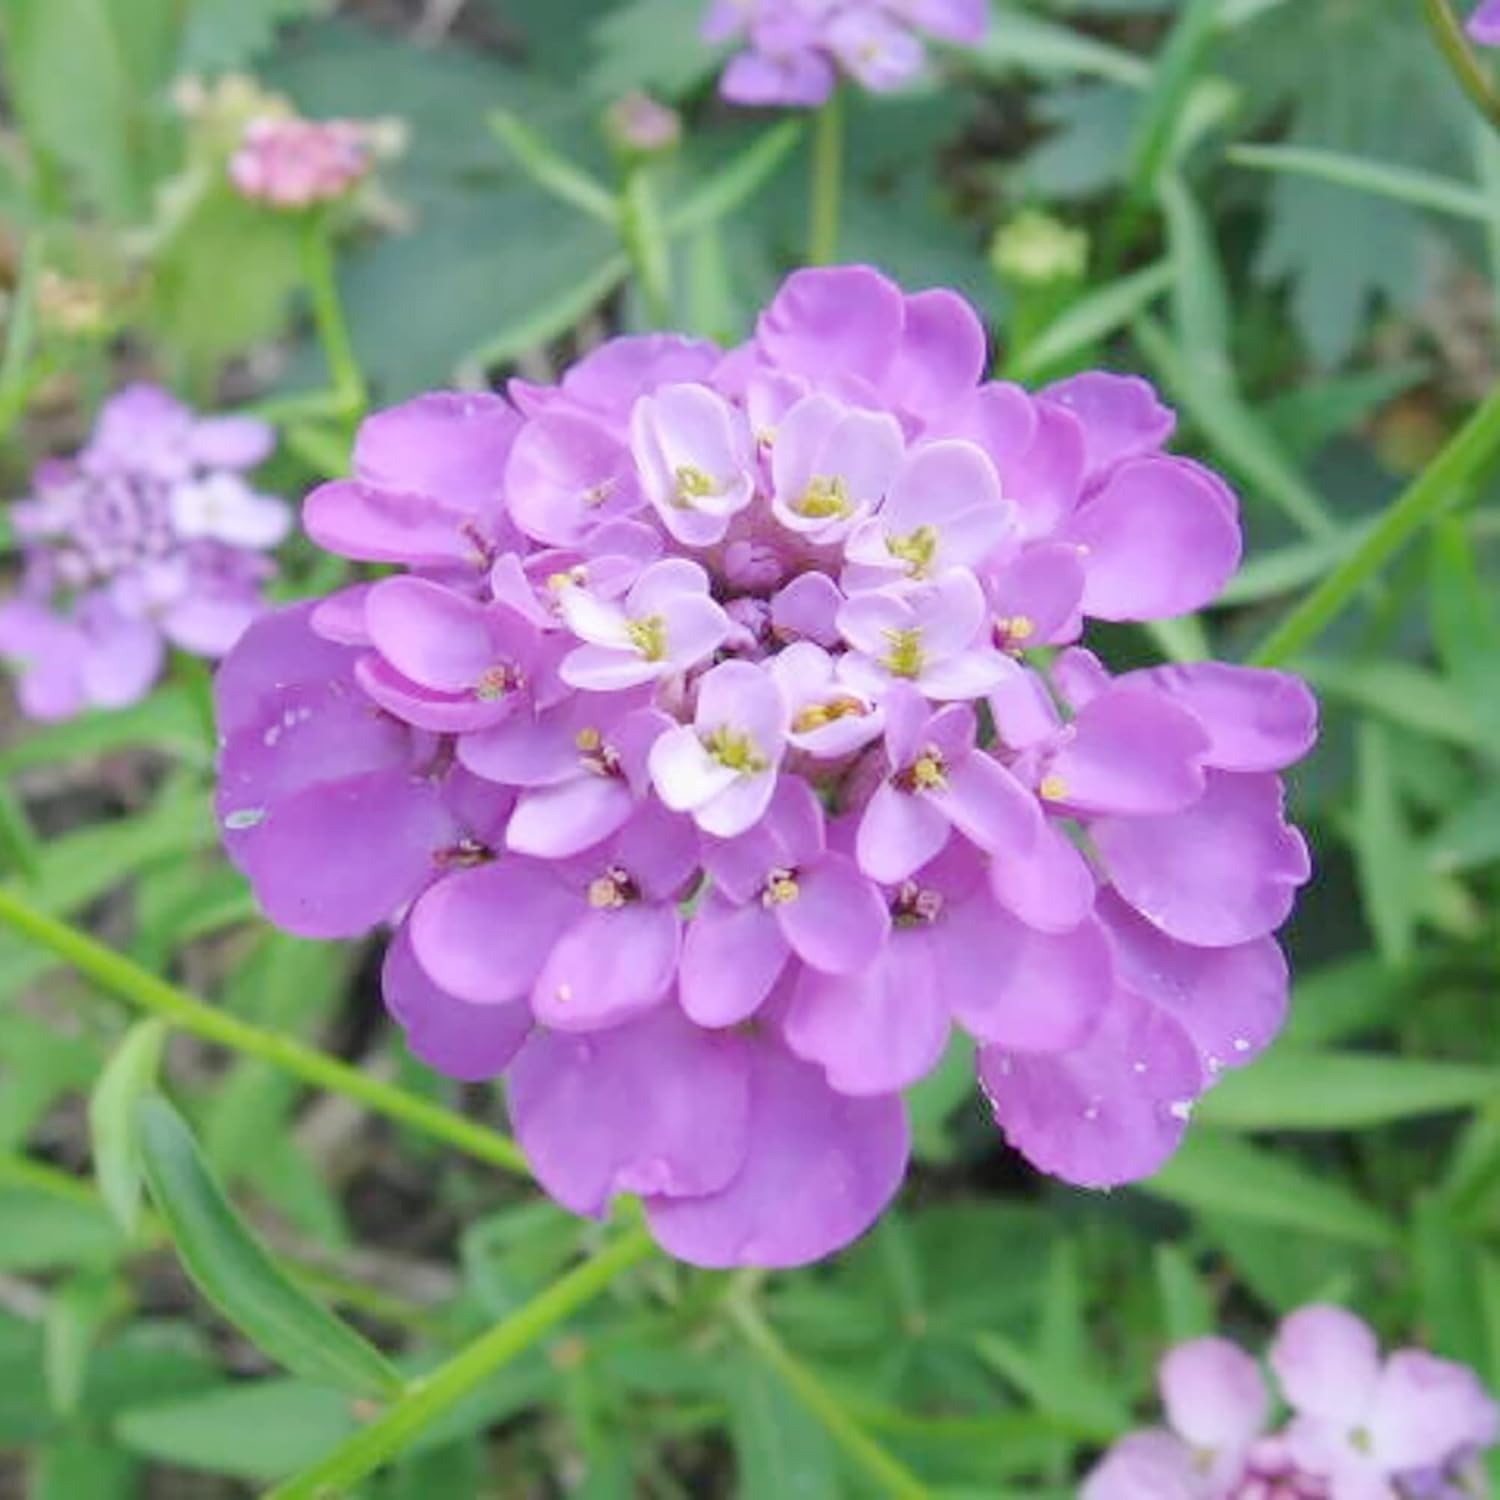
291, 163
732, 739
796, 50
150, 535
1410, 1427
1484, 24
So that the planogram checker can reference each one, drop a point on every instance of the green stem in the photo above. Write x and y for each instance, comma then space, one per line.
892, 1475
328, 318
429, 1398
18, 840
20, 334
113, 972
645, 238
827, 181
1474, 446
1448, 32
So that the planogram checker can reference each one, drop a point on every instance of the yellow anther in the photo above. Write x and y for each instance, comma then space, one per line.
917, 550
814, 716
494, 683
905, 658
588, 739
737, 751
605, 894
928, 771
597, 494
649, 637
825, 497
1053, 789
574, 576
781, 888
694, 484
1020, 627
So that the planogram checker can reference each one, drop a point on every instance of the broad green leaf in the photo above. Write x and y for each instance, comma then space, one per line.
238, 1275
1415, 189
80, 1467
1390, 874
1288, 568
1447, 1274
1308, 416
1288, 1090
77, 1312
932, 1102
1469, 836
1223, 1174
129, 1074
1341, 1000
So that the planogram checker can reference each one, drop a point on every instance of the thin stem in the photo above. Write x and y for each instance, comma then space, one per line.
1474, 446
892, 1475
18, 840
328, 318
1453, 42
429, 1398
119, 976
827, 181
645, 238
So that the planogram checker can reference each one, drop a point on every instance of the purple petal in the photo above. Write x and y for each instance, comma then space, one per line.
802, 79
1223, 872
942, 354
471, 1042
280, 650
654, 1106
838, 921
231, 442
1256, 720
825, 322
340, 616
483, 934
1426, 1411
807, 608
898, 833
819, 1168
358, 521
875, 1032
1106, 1113
611, 964
47, 652
554, 822
1484, 24
1214, 1394
1160, 541
988, 805
430, 634
567, 474
450, 445
1121, 415
1048, 885
1146, 1466
1327, 1361
732, 956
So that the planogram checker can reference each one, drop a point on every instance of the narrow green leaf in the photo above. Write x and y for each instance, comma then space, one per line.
1390, 874
1466, 628
1082, 1408
1092, 318
552, 171
1030, 44
127, 1076
1178, 67
1343, 1091
736, 182
1224, 1174
1418, 189
1398, 692
77, 1312
1187, 1305
1200, 296
237, 1274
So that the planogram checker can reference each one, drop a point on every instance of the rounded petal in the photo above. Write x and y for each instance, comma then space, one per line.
827, 321
838, 922
1214, 1394
565, 476
819, 1168
1107, 1112
1327, 1362
1224, 871
367, 524
553, 822
470, 1042
279, 651
942, 354
1145, 1466
1049, 885
1160, 541
1428, 1411
483, 934
430, 634
1122, 417
732, 957
451, 445
654, 1106
988, 805
610, 965
685, 775
898, 833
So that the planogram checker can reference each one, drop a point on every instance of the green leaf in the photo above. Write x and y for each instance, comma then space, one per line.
224, 35
80, 1467
238, 1275
1026, 43
1398, 692
130, 1073
39, 1232
1200, 295
1091, 319
77, 1312
1223, 1174
1187, 1304
1288, 1090
1078, 1405
552, 171
1466, 627
1416, 189
736, 181
781, 1452
166, 721
1390, 874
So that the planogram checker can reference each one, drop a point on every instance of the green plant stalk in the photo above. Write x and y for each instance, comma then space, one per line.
645, 240
328, 318
892, 1475
18, 840
429, 1397
1471, 449
1448, 32
827, 181
115, 973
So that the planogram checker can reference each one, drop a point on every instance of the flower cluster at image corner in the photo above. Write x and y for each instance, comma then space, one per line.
794, 52
1409, 1427
150, 536
728, 739
1484, 23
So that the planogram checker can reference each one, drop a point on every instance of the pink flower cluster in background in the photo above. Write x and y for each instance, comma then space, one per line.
728, 739
150, 535
1409, 1427
290, 163
1484, 24
796, 50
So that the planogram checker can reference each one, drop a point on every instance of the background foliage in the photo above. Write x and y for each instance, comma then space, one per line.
1293, 217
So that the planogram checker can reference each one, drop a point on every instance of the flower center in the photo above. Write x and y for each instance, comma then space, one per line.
735, 750
916, 906
1053, 789
495, 682
596, 756
927, 773
612, 890
825, 496
917, 550
781, 888
1013, 631
905, 658
817, 715
649, 637
694, 483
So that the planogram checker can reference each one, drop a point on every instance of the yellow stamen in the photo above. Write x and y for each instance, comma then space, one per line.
694, 484
825, 496
781, 889
1019, 627
649, 637
1053, 789
928, 773
605, 894
906, 658
597, 494
917, 550
494, 683
588, 739
817, 715
737, 751
557, 582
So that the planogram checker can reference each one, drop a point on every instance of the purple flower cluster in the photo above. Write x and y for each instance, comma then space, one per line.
1359, 1428
796, 49
726, 741
149, 535
1484, 24
292, 163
